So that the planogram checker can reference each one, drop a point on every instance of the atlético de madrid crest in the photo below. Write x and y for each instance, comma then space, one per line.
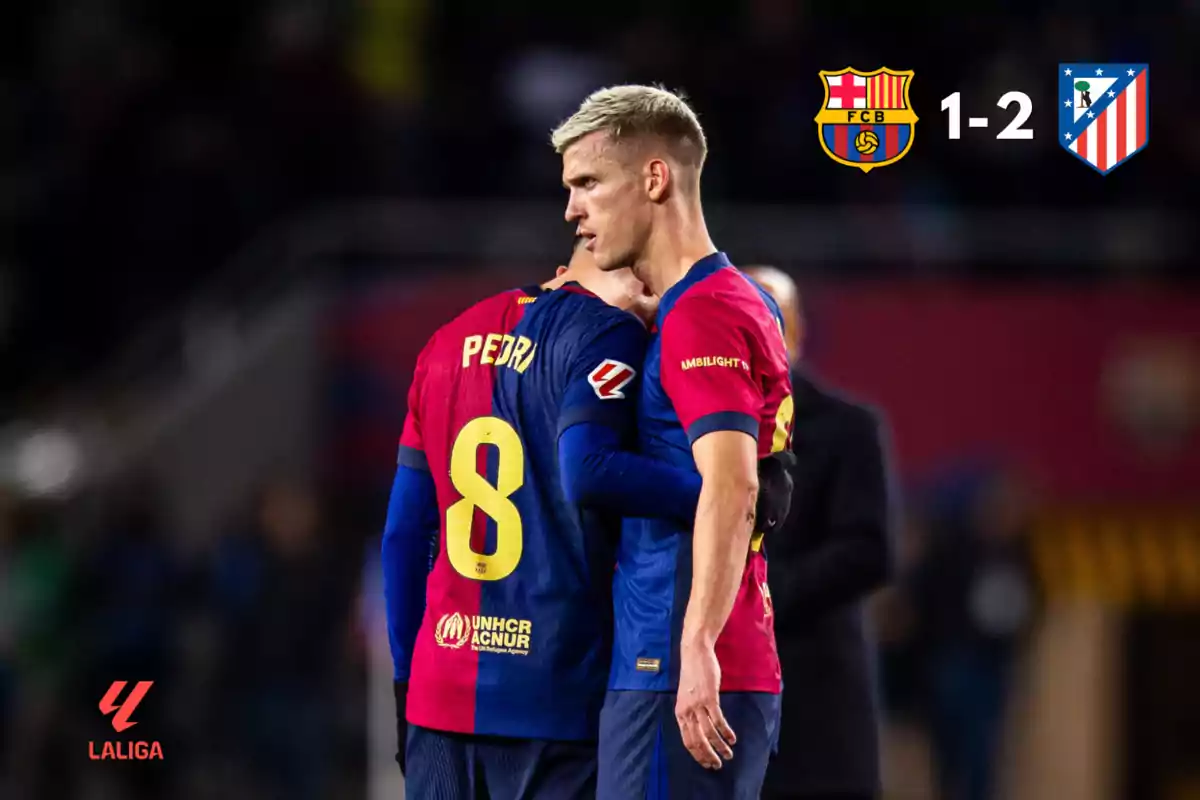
866, 120
1103, 112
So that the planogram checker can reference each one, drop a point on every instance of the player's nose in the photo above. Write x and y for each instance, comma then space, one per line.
574, 211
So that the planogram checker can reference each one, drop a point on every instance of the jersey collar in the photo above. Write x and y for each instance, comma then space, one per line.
537, 290
700, 270
574, 287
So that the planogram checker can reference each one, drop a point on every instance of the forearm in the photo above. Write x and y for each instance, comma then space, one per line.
720, 544
596, 473
408, 537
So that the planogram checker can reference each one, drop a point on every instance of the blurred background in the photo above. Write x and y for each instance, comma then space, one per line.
227, 228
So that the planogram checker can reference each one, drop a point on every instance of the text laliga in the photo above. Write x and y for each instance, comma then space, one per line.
126, 751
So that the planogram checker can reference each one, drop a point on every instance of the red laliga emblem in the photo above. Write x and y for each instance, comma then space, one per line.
108, 703
121, 722
610, 378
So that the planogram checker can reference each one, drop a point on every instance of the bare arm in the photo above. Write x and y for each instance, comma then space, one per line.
714, 367
728, 465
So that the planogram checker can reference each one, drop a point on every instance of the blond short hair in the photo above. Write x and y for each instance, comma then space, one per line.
626, 112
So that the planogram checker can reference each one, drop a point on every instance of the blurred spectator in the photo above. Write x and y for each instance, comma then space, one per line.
130, 586
1152, 394
35, 609
897, 628
833, 552
975, 600
35, 574
907, 763
129, 598
282, 597
7, 624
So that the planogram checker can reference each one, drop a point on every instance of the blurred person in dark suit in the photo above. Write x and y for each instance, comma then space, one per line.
282, 594
832, 552
976, 599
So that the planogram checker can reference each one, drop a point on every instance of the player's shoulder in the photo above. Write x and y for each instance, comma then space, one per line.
727, 295
483, 314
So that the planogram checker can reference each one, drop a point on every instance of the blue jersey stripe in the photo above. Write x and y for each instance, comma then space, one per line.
412, 457
609, 416
723, 421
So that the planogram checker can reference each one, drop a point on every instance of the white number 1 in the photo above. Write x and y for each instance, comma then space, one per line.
950, 103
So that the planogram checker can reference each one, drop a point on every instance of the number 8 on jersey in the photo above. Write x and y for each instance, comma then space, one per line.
494, 501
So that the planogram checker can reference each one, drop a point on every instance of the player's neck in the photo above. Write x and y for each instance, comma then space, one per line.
673, 250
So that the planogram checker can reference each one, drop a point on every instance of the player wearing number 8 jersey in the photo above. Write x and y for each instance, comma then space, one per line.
491, 393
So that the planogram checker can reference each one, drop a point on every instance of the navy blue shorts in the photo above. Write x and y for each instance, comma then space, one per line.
642, 753
460, 766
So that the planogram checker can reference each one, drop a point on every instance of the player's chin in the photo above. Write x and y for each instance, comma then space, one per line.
611, 261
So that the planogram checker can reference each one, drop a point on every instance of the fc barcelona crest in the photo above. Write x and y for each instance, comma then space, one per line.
1103, 112
866, 120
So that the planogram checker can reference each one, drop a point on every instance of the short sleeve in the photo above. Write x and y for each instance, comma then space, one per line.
412, 442
707, 358
604, 376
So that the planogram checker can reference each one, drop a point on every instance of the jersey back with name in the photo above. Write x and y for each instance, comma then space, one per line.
718, 363
516, 636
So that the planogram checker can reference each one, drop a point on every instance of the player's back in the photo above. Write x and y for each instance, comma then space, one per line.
516, 635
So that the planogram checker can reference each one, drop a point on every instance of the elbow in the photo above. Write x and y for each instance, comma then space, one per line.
748, 491
583, 494
736, 492
583, 486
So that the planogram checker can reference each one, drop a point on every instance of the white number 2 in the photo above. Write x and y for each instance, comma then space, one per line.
1024, 108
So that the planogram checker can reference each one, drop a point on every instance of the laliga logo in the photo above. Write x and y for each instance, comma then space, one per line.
121, 722
453, 630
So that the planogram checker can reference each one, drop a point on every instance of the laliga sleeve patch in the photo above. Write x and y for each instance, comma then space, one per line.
610, 378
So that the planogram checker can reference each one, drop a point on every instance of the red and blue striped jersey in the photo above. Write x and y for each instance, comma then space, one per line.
516, 634
719, 362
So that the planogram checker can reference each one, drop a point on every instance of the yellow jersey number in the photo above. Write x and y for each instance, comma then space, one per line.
783, 425
491, 500
779, 443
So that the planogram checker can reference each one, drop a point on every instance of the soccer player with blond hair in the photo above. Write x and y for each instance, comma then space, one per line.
695, 675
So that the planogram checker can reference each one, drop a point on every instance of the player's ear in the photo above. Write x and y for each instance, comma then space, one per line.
658, 178
558, 273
